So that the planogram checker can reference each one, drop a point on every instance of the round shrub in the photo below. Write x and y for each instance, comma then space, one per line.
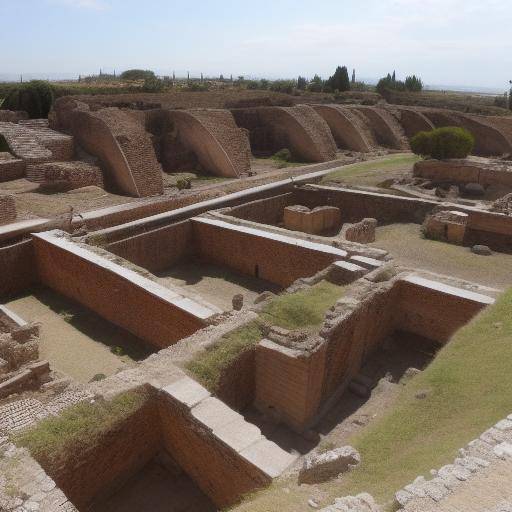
443, 143
421, 143
283, 155
35, 98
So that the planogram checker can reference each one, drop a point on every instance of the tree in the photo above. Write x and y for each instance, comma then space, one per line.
393, 78
340, 80
353, 76
302, 83
137, 74
316, 84
413, 84
35, 98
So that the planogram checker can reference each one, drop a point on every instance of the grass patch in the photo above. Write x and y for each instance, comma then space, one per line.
373, 171
304, 309
468, 385
78, 426
207, 366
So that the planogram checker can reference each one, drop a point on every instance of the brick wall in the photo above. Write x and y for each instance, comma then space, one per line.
18, 265
275, 258
151, 312
159, 249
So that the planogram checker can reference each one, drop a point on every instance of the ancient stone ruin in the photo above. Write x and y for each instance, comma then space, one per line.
184, 348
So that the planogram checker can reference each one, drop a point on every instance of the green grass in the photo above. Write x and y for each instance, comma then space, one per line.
207, 366
468, 388
371, 172
301, 310
79, 425
304, 309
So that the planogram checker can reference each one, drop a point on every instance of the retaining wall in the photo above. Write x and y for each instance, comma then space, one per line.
155, 314
276, 258
18, 268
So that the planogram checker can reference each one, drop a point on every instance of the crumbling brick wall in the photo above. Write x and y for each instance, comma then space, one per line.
346, 127
7, 208
65, 175
220, 146
299, 129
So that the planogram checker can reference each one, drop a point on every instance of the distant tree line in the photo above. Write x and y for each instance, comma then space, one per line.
390, 83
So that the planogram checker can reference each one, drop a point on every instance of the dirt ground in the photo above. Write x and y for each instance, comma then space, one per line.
76, 341
157, 490
407, 245
216, 285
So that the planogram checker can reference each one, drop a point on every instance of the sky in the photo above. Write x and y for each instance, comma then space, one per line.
451, 42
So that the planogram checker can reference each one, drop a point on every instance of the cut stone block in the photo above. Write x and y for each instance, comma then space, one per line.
187, 391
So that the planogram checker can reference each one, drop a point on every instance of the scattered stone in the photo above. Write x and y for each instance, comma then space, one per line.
318, 468
503, 450
262, 297
360, 503
481, 250
409, 374
238, 302
474, 189
421, 395
312, 503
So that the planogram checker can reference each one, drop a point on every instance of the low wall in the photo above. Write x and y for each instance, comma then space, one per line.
18, 268
11, 168
463, 171
155, 314
159, 249
299, 384
435, 310
276, 258
265, 211
356, 204
90, 473
224, 455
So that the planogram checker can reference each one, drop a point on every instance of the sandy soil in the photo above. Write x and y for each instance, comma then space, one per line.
214, 284
155, 489
407, 245
76, 341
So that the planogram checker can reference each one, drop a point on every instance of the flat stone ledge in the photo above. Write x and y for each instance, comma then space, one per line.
187, 391
368, 263
268, 457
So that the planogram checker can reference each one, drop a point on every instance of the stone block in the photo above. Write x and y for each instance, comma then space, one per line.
187, 391
268, 457
318, 468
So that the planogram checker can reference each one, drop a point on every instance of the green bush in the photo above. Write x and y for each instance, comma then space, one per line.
35, 98
184, 184
138, 74
283, 155
443, 143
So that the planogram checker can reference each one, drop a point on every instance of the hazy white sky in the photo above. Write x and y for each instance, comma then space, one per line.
457, 42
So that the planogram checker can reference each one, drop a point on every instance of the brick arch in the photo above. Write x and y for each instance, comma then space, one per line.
220, 146
413, 121
345, 127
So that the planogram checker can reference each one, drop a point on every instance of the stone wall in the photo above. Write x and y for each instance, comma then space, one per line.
89, 473
155, 314
346, 127
225, 456
300, 129
299, 382
319, 220
220, 146
275, 258
65, 175
12, 116
356, 205
289, 382
265, 211
158, 249
386, 128
18, 265
362, 232
119, 140
11, 168
7, 208
465, 171
412, 121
